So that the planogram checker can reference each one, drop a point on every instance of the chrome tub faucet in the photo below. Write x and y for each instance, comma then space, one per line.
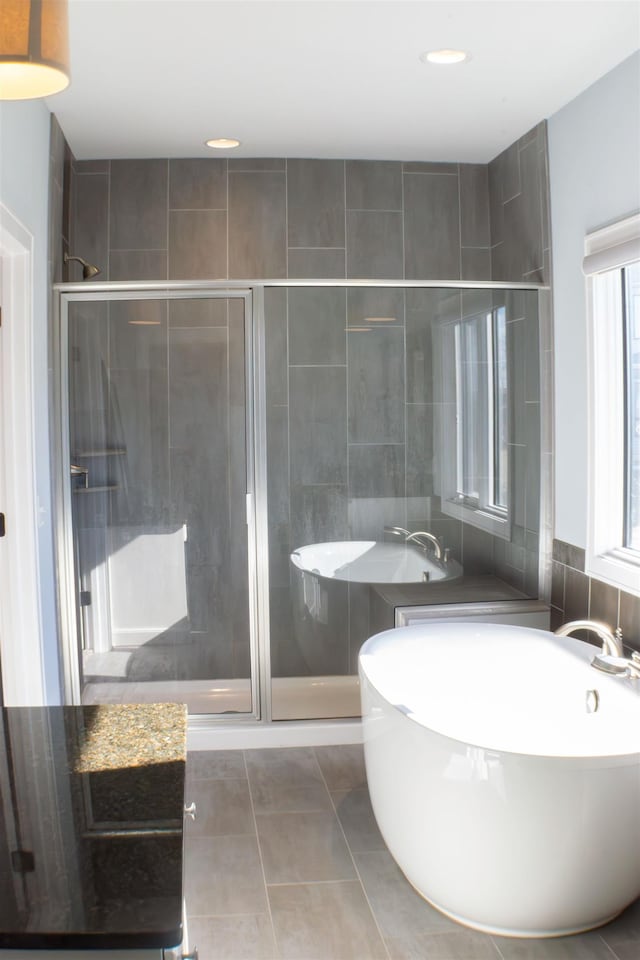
611, 641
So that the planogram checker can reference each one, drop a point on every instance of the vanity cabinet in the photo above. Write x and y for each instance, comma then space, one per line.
91, 832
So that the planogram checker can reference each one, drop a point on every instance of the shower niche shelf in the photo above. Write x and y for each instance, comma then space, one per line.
104, 488
101, 452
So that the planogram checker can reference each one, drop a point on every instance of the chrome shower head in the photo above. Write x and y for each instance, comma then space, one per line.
88, 269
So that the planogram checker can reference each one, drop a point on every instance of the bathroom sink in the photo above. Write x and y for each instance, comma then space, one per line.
372, 561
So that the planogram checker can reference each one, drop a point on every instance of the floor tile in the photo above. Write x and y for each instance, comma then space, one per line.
223, 808
215, 765
286, 780
342, 766
585, 946
303, 847
223, 874
462, 945
325, 921
623, 933
399, 910
355, 814
233, 938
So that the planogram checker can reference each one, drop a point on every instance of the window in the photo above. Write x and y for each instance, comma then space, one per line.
612, 265
630, 277
475, 474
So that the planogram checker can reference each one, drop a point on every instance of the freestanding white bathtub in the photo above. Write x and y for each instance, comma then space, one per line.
507, 804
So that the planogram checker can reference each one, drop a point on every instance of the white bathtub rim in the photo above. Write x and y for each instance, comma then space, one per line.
626, 751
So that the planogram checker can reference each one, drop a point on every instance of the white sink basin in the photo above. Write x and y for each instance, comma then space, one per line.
371, 561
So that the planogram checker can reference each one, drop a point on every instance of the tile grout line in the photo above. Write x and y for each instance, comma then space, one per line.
355, 866
609, 947
264, 876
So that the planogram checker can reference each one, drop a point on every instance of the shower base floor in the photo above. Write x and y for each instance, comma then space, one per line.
292, 698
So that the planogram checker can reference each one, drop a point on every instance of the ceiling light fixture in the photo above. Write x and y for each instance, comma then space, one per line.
34, 48
444, 56
222, 143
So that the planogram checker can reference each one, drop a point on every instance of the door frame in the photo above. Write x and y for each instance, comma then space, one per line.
66, 294
21, 636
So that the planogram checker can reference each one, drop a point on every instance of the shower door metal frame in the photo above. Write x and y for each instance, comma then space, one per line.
66, 294
257, 509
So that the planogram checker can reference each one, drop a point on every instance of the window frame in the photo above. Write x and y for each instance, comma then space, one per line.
607, 251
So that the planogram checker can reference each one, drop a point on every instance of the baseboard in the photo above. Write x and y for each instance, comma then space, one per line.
282, 733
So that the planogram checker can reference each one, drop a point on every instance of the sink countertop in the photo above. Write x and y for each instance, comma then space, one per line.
91, 826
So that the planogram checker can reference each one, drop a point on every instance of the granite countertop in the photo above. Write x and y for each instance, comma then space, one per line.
91, 826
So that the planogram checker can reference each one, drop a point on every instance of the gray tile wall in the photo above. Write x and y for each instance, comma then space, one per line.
518, 181
353, 427
163, 382
576, 596
215, 218
288, 218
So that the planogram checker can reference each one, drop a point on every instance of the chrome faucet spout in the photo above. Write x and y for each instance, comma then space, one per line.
424, 538
397, 532
611, 642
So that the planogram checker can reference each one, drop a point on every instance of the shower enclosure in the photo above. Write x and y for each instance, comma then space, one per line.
252, 476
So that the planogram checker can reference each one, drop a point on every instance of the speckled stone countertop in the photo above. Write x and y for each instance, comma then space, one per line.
91, 826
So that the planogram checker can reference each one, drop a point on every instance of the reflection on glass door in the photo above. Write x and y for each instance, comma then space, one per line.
159, 474
403, 468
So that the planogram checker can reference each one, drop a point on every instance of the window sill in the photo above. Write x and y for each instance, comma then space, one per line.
497, 526
619, 568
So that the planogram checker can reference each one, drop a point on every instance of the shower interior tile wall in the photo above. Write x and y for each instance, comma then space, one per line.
157, 415
353, 416
192, 219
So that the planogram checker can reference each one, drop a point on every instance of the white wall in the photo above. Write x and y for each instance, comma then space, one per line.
24, 190
594, 161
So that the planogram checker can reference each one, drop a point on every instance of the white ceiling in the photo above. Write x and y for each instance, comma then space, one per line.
329, 78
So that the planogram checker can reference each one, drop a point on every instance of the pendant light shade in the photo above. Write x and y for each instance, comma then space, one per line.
34, 48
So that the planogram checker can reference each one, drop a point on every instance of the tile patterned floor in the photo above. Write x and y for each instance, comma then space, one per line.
285, 862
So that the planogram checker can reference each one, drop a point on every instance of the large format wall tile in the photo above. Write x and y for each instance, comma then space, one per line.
376, 470
373, 185
317, 325
431, 226
519, 209
257, 225
198, 184
90, 236
374, 244
474, 205
376, 385
315, 199
322, 263
138, 205
318, 431
197, 244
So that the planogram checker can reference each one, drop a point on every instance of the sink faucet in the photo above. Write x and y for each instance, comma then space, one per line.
611, 642
424, 538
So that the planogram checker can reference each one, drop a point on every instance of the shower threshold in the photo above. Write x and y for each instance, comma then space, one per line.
293, 698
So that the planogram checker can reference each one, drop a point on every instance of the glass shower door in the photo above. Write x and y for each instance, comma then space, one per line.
158, 441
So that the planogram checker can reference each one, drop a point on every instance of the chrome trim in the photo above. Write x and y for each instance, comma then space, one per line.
252, 570
63, 519
261, 504
253, 293
109, 286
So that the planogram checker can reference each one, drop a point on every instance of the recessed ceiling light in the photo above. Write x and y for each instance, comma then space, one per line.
222, 143
444, 56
